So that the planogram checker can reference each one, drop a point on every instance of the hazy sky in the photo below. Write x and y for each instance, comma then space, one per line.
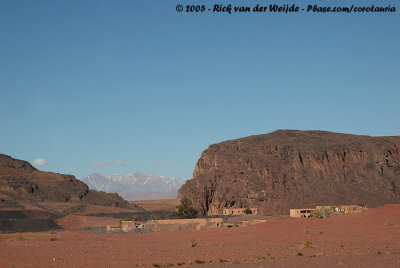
134, 86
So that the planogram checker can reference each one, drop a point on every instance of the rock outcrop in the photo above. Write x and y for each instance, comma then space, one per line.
293, 169
19, 180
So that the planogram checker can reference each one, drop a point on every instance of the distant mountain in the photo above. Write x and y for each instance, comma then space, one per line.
99, 182
135, 186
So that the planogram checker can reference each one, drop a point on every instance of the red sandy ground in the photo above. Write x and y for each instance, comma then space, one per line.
353, 240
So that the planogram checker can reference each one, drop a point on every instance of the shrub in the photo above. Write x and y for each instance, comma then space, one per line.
156, 265
170, 216
133, 218
153, 218
185, 209
222, 260
193, 242
299, 254
199, 261
54, 239
247, 211
324, 212
388, 223
307, 244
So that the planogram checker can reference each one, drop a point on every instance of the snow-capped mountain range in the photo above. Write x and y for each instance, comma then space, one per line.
135, 186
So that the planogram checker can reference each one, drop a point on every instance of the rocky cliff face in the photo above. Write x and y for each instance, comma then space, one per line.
19, 180
293, 169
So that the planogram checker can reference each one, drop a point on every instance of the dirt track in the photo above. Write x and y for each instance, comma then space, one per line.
354, 240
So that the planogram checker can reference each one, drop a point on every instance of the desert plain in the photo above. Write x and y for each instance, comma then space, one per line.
364, 239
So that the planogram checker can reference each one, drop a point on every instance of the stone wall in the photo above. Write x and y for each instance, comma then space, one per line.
183, 224
238, 211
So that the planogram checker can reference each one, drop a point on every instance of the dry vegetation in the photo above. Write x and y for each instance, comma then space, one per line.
157, 205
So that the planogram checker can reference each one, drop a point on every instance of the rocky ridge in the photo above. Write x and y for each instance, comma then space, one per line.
291, 169
19, 180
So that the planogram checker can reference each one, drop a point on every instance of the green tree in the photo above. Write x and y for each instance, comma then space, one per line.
185, 209
247, 211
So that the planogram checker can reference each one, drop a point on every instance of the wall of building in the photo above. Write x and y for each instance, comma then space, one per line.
238, 211
183, 224
300, 212
305, 212
351, 208
113, 229
128, 225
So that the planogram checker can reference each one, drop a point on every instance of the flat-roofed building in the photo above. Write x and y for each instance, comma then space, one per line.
239, 211
300, 212
306, 212
351, 208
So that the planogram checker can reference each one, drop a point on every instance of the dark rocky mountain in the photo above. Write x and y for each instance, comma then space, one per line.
19, 180
294, 169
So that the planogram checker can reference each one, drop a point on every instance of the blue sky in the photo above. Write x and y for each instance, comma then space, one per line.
134, 86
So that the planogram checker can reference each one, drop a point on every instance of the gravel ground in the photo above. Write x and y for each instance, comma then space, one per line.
354, 240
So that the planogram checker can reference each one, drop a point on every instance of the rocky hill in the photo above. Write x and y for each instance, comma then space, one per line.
19, 180
293, 169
